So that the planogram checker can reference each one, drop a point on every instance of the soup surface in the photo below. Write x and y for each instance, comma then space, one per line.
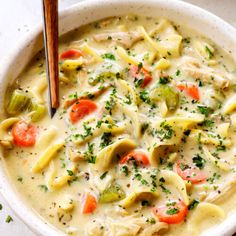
144, 140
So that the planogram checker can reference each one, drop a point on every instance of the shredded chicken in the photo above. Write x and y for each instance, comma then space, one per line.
207, 75
126, 39
134, 226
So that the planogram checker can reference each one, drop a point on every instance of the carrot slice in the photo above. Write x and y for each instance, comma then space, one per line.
181, 87
140, 158
190, 173
141, 74
81, 109
171, 213
89, 203
71, 54
191, 90
24, 134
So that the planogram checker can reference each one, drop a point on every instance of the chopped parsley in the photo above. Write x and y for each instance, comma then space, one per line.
170, 203
106, 139
125, 170
208, 123
164, 80
109, 105
99, 123
177, 73
172, 211
87, 132
43, 187
138, 176
109, 56
193, 204
164, 189
144, 182
183, 166
166, 131
73, 96
221, 148
162, 180
89, 154
214, 177
70, 172
151, 220
204, 110
103, 176
128, 99
90, 95
8, 219
92, 159
199, 161
144, 96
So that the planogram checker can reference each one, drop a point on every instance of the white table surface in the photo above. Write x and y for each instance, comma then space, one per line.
17, 17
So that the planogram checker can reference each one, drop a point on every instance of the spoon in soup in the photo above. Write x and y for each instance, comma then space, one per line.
50, 29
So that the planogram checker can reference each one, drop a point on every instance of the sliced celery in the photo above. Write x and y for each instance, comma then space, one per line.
166, 93
112, 194
39, 111
19, 101
69, 65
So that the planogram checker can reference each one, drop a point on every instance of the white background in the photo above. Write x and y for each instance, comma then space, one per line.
17, 17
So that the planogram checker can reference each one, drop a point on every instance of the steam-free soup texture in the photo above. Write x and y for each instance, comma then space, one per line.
143, 142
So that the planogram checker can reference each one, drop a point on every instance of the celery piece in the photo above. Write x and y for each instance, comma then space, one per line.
70, 65
18, 102
168, 94
39, 111
112, 194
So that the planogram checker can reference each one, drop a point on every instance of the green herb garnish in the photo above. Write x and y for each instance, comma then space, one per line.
43, 187
199, 161
109, 56
104, 175
193, 204
8, 219
172, 211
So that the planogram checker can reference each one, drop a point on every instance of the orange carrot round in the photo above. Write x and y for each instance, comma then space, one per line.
24, 134
171, 214
81, 109
140, 158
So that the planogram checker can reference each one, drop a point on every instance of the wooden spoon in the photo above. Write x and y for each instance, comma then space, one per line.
50, 18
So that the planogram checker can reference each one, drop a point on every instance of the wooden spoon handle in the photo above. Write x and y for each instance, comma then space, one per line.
50, 10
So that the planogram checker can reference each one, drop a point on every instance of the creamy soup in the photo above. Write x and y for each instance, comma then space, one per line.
143, 142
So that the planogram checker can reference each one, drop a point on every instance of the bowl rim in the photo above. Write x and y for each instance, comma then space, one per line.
32, 219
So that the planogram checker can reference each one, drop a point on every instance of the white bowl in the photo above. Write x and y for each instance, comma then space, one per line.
85, 12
